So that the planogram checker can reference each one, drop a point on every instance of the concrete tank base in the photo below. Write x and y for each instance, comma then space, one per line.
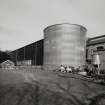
64, 44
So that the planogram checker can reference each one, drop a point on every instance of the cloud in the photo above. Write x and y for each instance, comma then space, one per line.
23, 21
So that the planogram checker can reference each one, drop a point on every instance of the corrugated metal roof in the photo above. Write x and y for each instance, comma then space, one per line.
96, 40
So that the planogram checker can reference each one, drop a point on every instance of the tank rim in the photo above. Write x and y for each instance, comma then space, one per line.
48, 27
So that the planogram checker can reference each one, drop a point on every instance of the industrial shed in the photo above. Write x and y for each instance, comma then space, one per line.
55, 49
95, 46
31, 54
40, 52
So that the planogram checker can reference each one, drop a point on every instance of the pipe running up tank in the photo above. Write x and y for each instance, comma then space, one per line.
64, 44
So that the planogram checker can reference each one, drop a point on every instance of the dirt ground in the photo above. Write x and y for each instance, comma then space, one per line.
19, 87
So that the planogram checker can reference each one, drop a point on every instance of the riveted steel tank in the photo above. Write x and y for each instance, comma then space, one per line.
64, 44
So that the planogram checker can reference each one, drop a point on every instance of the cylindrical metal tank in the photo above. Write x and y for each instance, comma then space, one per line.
64, 44
96, 59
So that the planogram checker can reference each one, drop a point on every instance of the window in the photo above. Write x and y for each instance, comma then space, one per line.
99, 48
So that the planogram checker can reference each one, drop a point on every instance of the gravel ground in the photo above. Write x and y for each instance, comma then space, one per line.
48, 88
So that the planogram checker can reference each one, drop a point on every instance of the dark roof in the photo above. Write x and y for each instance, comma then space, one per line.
102, 36
27, 45
96, 40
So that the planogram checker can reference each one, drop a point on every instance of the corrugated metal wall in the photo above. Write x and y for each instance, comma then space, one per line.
31, 53
64, 44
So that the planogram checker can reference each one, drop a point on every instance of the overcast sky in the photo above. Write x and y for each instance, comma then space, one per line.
22, 21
